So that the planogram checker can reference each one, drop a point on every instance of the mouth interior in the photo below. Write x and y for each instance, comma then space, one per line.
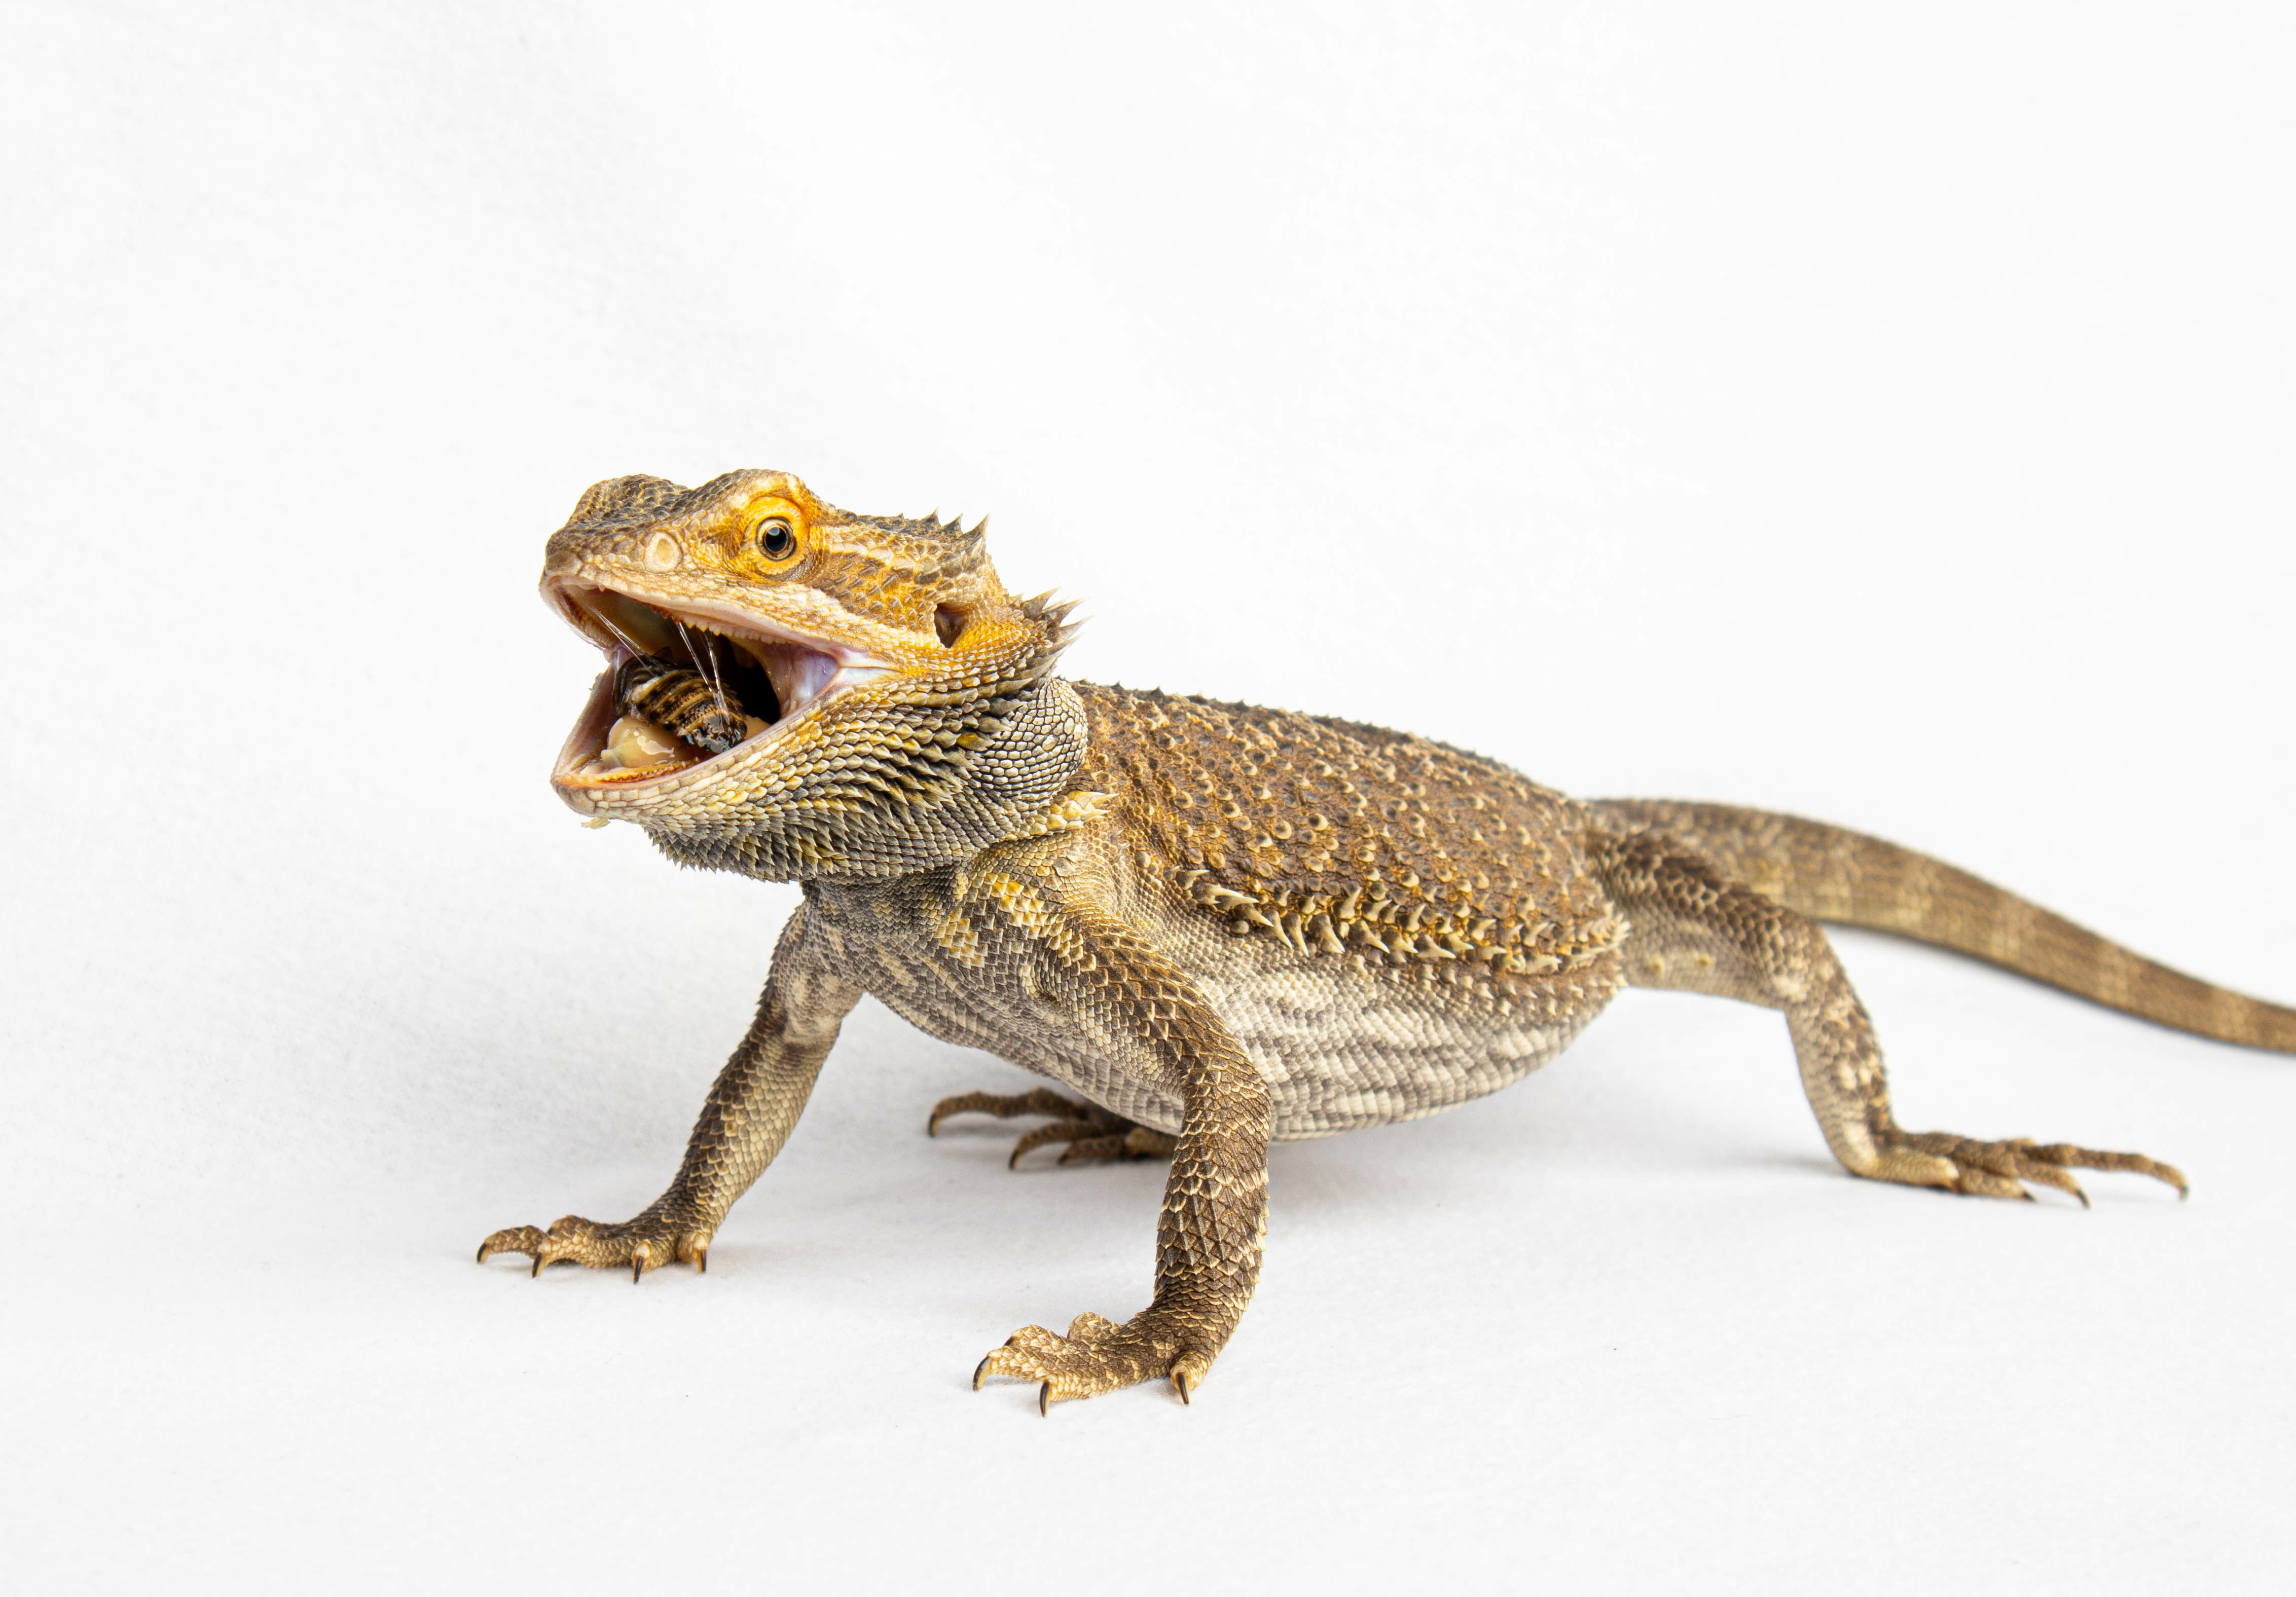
679, 691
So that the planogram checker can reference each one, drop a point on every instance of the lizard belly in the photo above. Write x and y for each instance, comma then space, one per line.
1342, 1047
1342, 1043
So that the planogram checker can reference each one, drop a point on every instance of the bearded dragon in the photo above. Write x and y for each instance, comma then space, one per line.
1217, 926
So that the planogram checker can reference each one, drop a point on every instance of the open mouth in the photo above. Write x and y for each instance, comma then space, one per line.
687, 685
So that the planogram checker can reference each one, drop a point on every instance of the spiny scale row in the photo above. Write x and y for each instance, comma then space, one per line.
1366, 917
1060, 632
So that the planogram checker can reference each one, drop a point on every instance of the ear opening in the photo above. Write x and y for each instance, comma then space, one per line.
948, 625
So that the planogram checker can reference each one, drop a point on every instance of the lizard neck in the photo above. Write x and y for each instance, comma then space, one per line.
938, 783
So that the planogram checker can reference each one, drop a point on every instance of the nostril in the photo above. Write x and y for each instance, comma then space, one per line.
948, 625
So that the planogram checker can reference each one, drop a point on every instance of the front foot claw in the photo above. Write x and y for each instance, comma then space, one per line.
1092, 1133
1099, 1356
2000, 1169
646, 1243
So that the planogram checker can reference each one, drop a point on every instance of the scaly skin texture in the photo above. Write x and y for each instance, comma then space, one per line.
1217, 926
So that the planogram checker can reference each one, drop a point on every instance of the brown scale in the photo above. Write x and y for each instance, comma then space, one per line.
1317, 833
681, 701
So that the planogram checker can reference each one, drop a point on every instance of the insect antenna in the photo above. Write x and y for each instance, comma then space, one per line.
708, 661
637, 651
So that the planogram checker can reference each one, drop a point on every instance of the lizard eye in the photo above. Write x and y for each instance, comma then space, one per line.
775, 538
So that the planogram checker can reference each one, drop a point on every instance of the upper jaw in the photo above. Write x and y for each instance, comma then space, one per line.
589, 604
627, 619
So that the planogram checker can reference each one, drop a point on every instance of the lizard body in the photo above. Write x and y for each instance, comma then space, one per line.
1416, 1013
1220, 925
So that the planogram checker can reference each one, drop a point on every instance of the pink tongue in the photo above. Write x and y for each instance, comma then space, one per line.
799, 674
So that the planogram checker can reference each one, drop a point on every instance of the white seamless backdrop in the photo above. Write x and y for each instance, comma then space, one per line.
1880, 413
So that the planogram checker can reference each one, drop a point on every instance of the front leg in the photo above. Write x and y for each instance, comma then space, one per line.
1215, 1214
751, 1108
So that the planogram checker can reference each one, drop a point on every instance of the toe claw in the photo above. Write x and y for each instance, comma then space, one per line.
1097, 1355
1091, 1134
1999, 1169
646, 1243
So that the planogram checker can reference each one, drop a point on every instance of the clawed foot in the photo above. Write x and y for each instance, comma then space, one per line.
1936, 1158
1099, 1356
1090, 1132
646, 1243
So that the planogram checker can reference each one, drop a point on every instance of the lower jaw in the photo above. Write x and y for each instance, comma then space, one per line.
583, 773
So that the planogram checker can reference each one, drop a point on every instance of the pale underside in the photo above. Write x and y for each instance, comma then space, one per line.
1340, 1046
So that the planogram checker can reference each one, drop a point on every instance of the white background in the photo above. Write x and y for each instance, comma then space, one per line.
1883, 414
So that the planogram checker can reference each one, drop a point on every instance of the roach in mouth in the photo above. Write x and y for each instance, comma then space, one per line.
682, 702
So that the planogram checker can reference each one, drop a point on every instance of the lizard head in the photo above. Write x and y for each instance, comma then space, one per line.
793, 690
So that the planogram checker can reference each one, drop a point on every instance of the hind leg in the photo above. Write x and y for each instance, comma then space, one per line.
1697, 932
1092, 1133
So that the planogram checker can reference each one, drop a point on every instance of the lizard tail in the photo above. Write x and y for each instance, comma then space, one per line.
1829, 873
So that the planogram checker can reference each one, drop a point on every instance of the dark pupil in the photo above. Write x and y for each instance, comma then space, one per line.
777, 538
